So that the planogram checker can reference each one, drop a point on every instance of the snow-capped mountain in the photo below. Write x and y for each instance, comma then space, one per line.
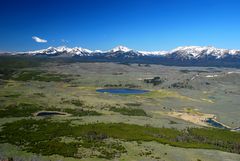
62, 50
188, 55
197, 52
120, 49
188, 52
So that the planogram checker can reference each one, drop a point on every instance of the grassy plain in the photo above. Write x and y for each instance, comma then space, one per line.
103, 126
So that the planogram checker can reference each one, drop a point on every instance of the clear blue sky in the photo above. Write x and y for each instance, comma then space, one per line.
103, 24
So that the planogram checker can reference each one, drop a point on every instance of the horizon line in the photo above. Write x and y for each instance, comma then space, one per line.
120, 46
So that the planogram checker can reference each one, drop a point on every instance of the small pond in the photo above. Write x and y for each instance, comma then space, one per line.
214, 123
122, 91
49, 113
237, 129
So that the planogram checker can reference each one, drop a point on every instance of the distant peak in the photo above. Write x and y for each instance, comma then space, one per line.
121, 48
183, 52
194, 48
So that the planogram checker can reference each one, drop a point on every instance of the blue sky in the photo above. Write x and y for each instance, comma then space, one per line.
104, 24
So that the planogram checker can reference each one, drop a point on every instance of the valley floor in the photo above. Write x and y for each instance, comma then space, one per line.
171, 118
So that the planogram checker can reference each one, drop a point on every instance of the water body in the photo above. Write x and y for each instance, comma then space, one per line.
213, 123
237, 129
122, 91
49, 113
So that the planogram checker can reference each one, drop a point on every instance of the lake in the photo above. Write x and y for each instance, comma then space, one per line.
213, 123
49, 113
122, 91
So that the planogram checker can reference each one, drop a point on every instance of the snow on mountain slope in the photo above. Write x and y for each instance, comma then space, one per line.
120, 49
61, 50
196, 52
153, 53
187, 52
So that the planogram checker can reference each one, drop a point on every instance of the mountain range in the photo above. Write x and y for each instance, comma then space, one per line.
183, 56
